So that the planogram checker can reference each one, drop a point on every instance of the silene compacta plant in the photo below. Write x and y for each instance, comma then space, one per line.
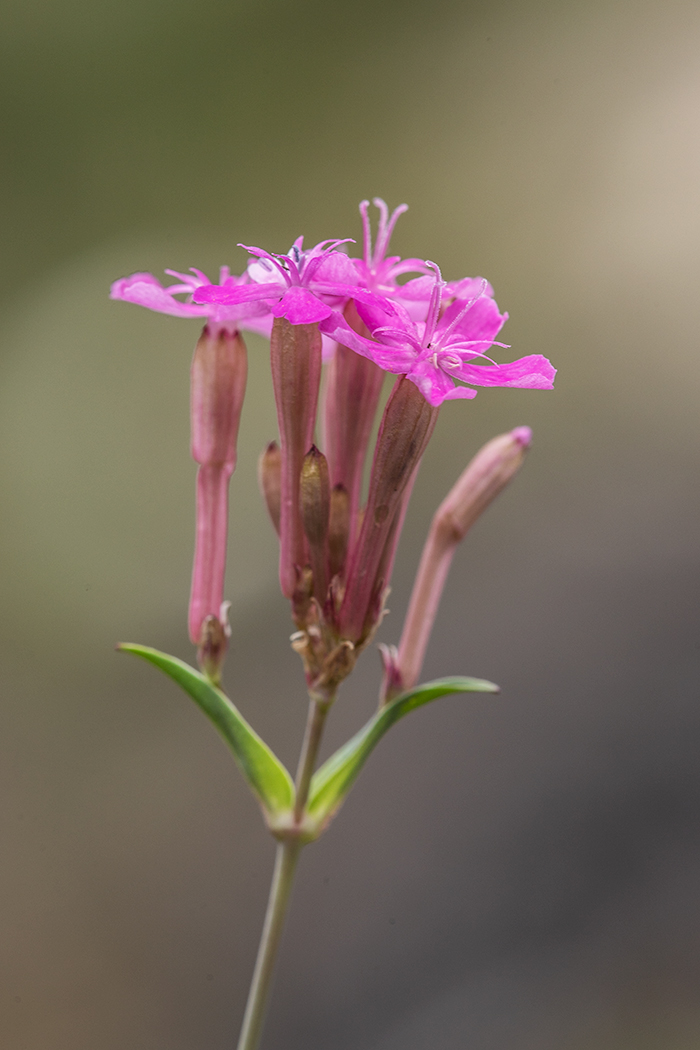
353, 319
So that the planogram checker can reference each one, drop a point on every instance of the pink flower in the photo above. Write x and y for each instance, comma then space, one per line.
146, 290
303, 286
443, 348
376, 271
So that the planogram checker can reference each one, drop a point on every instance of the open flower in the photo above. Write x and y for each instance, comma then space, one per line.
146, 290
377, 271
218, 381
302, 286
434, 353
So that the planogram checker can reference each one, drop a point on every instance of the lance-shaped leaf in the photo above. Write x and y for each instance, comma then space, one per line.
266, 776
333, 780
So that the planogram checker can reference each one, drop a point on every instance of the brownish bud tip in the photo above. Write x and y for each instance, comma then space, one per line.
315, 496
338, 529
315, 507
212, 647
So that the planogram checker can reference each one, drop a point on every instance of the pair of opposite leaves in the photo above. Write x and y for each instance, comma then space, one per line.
267, 777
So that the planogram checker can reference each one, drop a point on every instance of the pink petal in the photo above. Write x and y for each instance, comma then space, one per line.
300, 306
459, 393
482, 321
420, 288
232, 294
379, 312
264, 272
336, 268
145, 290
433, 384
468, 288
398, 360
534, 372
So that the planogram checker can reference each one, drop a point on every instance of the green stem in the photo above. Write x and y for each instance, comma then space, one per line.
285, 863
309, 751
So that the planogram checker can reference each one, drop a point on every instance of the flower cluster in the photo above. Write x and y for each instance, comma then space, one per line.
365, 317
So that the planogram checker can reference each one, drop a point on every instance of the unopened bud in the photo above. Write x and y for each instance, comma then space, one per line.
315, 497
314, 504
487, 475
218, 380
338, 529
269, 473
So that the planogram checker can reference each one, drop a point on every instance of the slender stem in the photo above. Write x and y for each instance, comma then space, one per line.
309, 750
285, 863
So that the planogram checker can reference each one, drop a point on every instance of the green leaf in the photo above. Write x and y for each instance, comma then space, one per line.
266, 776
332, 782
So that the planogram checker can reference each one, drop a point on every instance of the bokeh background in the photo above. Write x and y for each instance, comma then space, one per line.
517, 873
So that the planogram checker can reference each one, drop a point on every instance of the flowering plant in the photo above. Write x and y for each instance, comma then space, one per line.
336, 553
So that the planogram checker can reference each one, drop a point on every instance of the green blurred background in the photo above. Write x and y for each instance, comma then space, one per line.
509, 874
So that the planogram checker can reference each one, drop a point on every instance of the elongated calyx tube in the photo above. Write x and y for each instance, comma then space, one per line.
405, 430
351, 394
218, 380
484, 478
295, 354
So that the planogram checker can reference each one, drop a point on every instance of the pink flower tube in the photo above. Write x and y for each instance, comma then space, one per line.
219, 370
405, 430
493, 467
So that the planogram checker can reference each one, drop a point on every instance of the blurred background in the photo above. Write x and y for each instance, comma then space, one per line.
511, 873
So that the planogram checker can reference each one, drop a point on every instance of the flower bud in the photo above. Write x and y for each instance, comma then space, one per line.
218, 379
484, 478
314, 502
269, 471
338, 530
315, 497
